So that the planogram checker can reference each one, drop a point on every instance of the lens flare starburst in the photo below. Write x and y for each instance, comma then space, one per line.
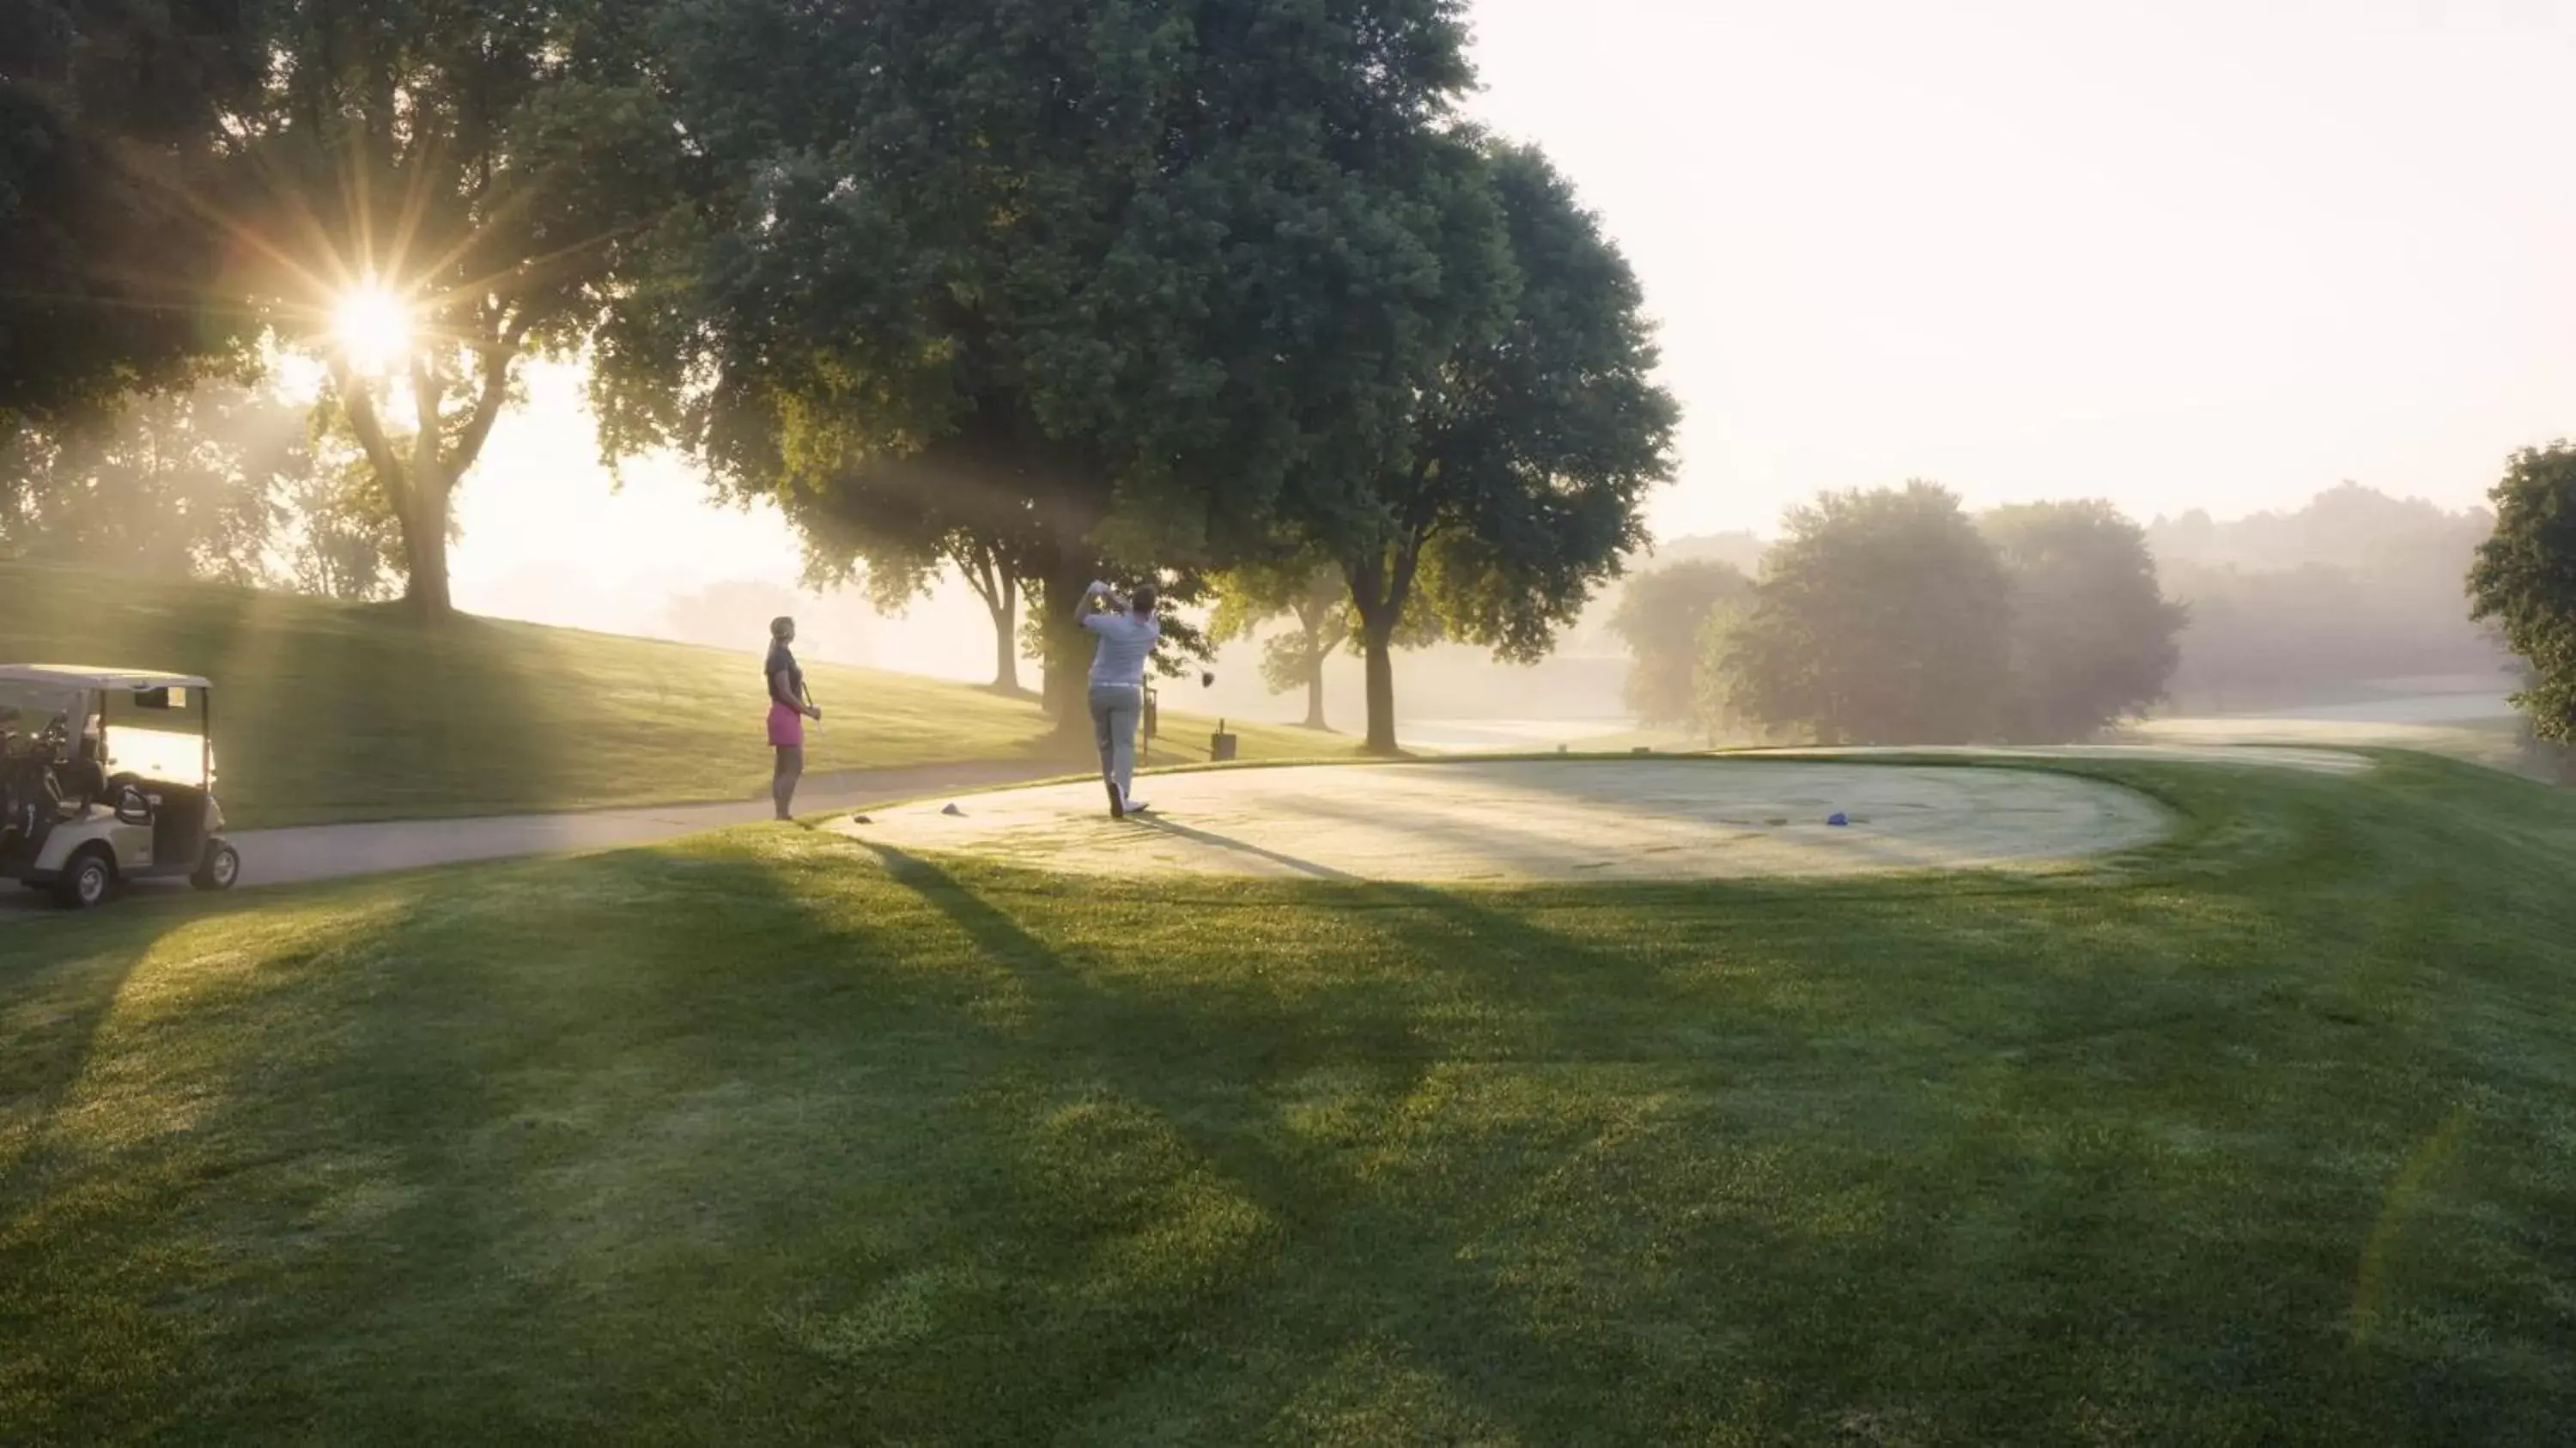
374, 329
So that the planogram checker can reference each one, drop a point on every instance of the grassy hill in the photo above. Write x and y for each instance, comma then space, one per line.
336, 712
2267, 1135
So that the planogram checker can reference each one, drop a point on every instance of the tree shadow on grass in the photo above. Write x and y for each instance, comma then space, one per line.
1407, 1247
306, 1183
520, 1153
123, 1099
1939, 1121
1307, 868
1390, 1219
1909, 1123
736, 1135
1331, 1232
394, 1179
569, 1131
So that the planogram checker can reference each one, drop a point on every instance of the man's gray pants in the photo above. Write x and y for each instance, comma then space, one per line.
1115, 710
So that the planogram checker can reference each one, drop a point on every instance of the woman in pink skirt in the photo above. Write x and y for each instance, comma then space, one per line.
789, 707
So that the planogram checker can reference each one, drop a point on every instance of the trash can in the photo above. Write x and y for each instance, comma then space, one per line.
1220, 744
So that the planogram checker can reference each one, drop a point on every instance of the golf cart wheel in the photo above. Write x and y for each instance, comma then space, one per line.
222, 869
87, 881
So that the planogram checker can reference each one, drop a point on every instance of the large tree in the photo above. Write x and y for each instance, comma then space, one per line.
1531, 440
112, 135
462, 182
2093, 637
1309, 592
987, 565
899, 535
1662, 615
1113, 268
1883, 617
1313, 595
2524, 582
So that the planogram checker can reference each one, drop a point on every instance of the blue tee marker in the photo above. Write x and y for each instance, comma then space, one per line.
1838, 820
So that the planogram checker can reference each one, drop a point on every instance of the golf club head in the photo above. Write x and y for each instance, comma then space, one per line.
1207, 679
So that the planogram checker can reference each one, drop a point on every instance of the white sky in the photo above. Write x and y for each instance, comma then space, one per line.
2177, 253
2180, 253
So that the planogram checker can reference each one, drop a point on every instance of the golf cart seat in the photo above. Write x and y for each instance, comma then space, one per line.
77, 785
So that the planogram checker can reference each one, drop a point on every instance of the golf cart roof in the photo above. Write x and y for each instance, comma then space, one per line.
84, 676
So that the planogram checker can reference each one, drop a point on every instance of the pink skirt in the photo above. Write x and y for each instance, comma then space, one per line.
786, 728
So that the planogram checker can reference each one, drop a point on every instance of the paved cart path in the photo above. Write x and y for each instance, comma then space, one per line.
329, 852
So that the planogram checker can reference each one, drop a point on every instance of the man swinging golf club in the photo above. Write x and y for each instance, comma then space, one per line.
1127, 631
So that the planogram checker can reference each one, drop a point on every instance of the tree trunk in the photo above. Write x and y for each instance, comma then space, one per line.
1315, 685
424, 530
1006, 639
1067, 659
1379, 641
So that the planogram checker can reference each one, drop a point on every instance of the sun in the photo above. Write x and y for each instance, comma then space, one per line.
374, 328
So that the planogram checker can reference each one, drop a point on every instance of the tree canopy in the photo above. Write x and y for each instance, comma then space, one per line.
1883, 617
1310, 591
2524, 582
2093, 638
1531, 441
851, 533
1109, 270
1038, 291
1662, 616
112, 142
485, 173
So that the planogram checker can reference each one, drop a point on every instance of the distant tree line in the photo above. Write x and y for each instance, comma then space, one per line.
1892, 616
2355, 587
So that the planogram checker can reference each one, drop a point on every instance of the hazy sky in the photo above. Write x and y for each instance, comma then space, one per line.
2179, 254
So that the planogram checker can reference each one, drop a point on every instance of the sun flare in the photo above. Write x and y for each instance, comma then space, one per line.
374, 328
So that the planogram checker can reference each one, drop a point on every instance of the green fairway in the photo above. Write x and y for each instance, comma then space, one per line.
2495, 743
2267, 1134
333, 712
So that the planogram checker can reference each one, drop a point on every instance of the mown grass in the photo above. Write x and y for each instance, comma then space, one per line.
2264, 1135
328, 712
2495, 743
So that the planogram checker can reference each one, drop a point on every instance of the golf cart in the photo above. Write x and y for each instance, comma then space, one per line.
108, 775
